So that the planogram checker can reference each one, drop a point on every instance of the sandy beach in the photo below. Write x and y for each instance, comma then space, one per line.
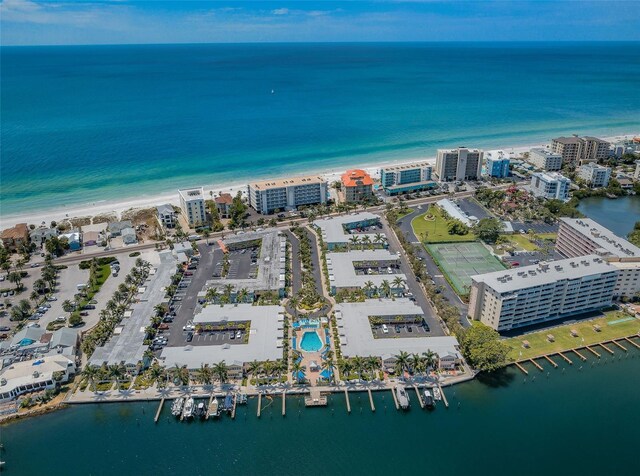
171, 197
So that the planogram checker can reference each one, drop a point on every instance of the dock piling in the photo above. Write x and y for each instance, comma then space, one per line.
619, 345
444, 397
395, 399
346, 397
259, 404
555, 366
284, 402
419, 397
155, 420
373, 407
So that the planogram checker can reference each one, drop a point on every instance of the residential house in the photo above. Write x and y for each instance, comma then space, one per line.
167, 216
223, 204
15, 236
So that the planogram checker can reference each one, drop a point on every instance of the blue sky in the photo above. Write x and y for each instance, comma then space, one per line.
33, 22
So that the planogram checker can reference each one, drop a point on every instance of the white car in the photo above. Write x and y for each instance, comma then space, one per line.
385, 329
52, 298
61, 319
189, 327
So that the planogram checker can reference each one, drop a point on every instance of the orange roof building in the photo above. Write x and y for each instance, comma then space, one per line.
15, 236
223, 204
357, 185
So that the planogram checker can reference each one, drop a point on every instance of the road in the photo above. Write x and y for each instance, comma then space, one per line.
296, 268
315, 259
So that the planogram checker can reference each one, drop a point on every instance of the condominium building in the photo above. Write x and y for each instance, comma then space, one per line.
580, 150
192, 203
595, 175
459, 164
406, 178
550, 185
357, 185
583, 236
530, 295
498, 166
287, 193
636, 173
545, 159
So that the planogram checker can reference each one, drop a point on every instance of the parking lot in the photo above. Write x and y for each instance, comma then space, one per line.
400, 330
243, 264
473, 208
536, 227
230, 337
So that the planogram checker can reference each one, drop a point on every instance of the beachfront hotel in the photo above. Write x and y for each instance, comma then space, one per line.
287, 194
519, 297
545, 159
577, 150
497, 166
583, 236
550, 185
459, 164
407, 178
357, 185
595, 175
192, 203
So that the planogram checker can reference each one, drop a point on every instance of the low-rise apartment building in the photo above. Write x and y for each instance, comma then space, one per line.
544, 292
545, 159
14, 237
287, 194
459, 164
595, 175
357, 186
550, 185
192, 203
397, 179
167, 215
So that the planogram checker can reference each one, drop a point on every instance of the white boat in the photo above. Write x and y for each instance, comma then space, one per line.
428, 398
188, 408
213, 408
201, 410
176, 407
436, 394
403, 398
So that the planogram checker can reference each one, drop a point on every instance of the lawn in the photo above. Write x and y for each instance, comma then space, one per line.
613, 325
436, 230
522, 242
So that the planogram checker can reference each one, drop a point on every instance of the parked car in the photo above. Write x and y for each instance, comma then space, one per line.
239, 335
33, 324
84, 313
385, 329
189, 336
61, 319
89, 307
5, 328
52, 298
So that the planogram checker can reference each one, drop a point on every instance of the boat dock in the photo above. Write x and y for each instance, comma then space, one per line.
606, 348
346, 397
555, 366
233, 409
157, 417
524, 371
567, 359
619, 345
395, 399
632, 343
593, 351
415, 387
259, 405
284, 402
373, 407
208, 414
537, 365
444, 397
315, 399
582, 357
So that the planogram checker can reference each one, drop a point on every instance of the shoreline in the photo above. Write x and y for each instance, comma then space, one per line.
60, 213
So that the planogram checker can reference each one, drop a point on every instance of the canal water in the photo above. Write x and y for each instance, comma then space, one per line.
575, 420
619, 215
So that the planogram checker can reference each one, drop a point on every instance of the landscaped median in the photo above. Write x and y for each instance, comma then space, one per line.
433, 227
613, 325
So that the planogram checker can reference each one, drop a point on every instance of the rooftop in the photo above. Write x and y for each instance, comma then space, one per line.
549, 176
356, 337
544, 273
265, 337
342, 273
603, 237
287, 182
165, 209
196, 193
33, 371
355, 177
333, 229
401, 167
225, 198
544, 152
21, 230
567, 140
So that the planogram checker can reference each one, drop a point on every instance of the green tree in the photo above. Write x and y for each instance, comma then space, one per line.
488, 229
482, 348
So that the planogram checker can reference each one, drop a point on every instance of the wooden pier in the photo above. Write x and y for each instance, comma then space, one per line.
555, 366
419, 397
315, 399
157, 417
593, 351
619, 345
284, 402
632, 343
575, 351
346, 397
538, 366
233, 409
395, 399
525, 371
373, 407
259, 404
208, 414
444, 397
606, 348
565, 358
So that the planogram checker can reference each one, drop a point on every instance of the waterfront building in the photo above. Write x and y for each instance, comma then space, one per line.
73, 238
91, 238
357, 336
20, 378
550, 185
397, 179
129, 236
595, 175
223, 204
357, 186
41, 234
545, 159
583, 236
262, 331
636, 174
192, 204
498, 166
544, 292
354, 269
459, 164
287, 194
577, 150
167, 216
15, 236
337, 231
115, 227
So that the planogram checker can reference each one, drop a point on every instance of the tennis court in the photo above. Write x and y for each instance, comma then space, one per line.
460, 261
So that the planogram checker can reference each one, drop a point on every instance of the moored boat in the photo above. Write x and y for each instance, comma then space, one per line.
176, 407
241, 399
403, 398
213, 408
188, 408
201, 410
428, 399
436, 394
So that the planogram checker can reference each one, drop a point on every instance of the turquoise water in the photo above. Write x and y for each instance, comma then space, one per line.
310, 342
618, 215
84, 124
574, 420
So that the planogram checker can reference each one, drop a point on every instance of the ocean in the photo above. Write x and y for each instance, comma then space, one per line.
83, 124
578, 419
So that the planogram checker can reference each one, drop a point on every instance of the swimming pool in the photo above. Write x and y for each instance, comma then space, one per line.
311, 342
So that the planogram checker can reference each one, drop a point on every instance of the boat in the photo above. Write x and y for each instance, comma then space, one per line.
437, 396
228, 402
176, 407
428, 399
201, 410
403, 398
213, 408
188, 408
241, 399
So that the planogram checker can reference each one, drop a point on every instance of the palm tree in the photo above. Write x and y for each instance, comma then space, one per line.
354, 240
34, 296
430, 359
345, 368
402, 362
90, 373
297, 371
417, 363
385, 288
67, 305
330, 366
358, 365
398, 283
228, 290
373, 364
242, 295
369, 288
212, 295
268, 368
294, 302
254, 368
116, 372
379, 238
181, 374
16, 278
366, 241
221, 371
204, 374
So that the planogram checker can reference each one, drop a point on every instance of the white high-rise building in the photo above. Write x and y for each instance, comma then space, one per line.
545, 159
287, 194
529, 295
459, 164
192, 203
595, 175
550, 185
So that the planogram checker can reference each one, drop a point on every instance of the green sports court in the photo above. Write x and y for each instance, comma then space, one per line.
460, 261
